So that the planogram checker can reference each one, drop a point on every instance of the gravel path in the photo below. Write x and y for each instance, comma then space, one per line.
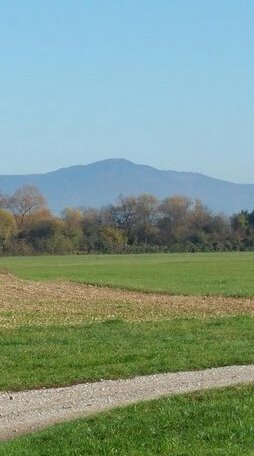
27, 411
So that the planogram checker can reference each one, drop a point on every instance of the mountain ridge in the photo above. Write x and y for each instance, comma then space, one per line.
100, 183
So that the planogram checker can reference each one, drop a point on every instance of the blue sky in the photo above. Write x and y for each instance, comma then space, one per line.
168, 83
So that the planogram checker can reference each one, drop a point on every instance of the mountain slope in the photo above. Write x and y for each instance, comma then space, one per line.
101, 183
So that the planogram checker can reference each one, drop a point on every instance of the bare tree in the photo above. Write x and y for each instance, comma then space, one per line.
3, 201
25, 202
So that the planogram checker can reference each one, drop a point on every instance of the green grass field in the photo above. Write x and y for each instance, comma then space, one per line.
45, 342
41, 351
229, 274
61, 355
214, 423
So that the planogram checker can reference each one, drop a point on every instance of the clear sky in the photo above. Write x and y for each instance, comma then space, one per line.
169, 83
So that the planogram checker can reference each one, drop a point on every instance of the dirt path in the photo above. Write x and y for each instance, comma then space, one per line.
27, 411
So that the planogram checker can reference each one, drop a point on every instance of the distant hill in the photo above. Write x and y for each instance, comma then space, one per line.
100, 183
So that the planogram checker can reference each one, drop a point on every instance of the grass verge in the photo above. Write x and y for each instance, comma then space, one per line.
213, 423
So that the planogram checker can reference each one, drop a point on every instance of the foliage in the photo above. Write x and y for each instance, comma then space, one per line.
7, 229
133, 224
25, 202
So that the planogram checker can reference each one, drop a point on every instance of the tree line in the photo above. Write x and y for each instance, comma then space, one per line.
132, 225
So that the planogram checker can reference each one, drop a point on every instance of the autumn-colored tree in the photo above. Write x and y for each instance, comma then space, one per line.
111, 239
91, 223
7, 228
174, 214
146, 218
73, 220
26, 202
134, 223
124, 216
136, 216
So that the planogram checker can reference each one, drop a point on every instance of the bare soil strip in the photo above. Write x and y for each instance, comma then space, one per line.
63, 302
27, 411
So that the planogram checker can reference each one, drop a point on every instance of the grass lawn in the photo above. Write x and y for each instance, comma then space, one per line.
214, 423
33, 356
229, 274
59, 334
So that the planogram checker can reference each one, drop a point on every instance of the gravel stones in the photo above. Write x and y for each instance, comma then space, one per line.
28, 411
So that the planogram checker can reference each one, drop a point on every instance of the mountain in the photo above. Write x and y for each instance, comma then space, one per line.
100, 183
